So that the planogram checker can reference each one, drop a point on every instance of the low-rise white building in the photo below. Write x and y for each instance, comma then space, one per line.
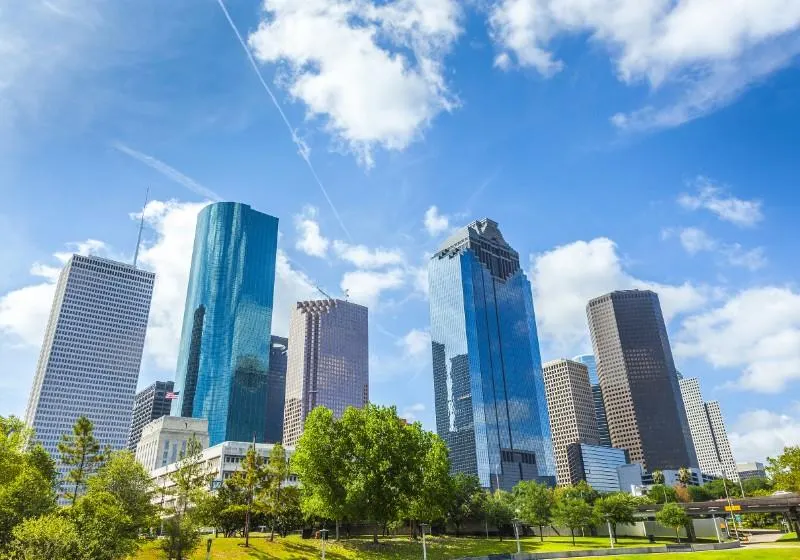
223, 460
163, 440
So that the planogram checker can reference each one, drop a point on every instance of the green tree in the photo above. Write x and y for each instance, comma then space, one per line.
757, 484
684, 476
224, 509
272, 493
465, 501
320, 461
582, 491
660, 494
658, 478
190, 480
249, 480
83, 452
49, 537
716, 488
107, 532
617, 508
130, 484
700, 494
288, 514
499, 508
432, 489
784, 470
535, 504
673, 515
574, 513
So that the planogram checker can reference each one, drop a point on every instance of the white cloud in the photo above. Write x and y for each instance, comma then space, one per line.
759, 434
310, 240
695, 240
365, 287
412, 412
364, 257
416, 343
711, 197
436, 223
756, 331
373, 70
566, 278
703, 55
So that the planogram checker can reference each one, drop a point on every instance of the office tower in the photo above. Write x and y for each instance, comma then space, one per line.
714, 456
150, 403
598, 465
223, 359
491, 408
597, 396
746, 471
277, 388
92, 350
640, 386
571, 409
164, 440
327, 363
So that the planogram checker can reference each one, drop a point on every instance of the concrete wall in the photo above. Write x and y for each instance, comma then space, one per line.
604, 552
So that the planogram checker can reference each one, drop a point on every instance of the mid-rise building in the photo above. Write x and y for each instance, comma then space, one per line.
572, 416
150, 403
598, 465
327, 362
637, 374
276, 395
597, 395
711, 445
491, 408
631, 479
223, 360
92, 351
164, 440
746, 471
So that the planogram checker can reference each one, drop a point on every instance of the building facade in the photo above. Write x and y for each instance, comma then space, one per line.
150, 403
598, 465
223, 360
637, 374
89, 361
276, 395
711, 445
327, 362
746, 471
572, 416
597, 396
164, 440
491, 408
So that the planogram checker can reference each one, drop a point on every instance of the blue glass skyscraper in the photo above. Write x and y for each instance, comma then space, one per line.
597, 394
223, 364
491, 408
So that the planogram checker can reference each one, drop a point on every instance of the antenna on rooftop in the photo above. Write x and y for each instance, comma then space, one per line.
141, 227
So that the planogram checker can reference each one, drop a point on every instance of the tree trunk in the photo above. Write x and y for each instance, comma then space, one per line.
678, 534
337, 529
541, 534
247, 527
375, 533
272, 531
485, 526
614, 531
573, 536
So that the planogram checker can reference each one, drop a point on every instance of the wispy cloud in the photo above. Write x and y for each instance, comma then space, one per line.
715, 199
168, 171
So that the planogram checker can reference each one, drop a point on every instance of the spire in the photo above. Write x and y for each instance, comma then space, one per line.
141, 227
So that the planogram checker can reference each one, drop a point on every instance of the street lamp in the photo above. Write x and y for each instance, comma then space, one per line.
323, 535
610, 533
713, 511
423, 526
516, 532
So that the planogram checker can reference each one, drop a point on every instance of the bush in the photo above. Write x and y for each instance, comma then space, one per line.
49, 537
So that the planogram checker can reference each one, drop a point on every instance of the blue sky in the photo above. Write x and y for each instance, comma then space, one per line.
636, 143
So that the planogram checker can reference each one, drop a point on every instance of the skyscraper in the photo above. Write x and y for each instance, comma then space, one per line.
571, 408
150, 403
327, 363
277, 388
597, 396
640, 386
92, 351
223, 360
490, 400
714, 455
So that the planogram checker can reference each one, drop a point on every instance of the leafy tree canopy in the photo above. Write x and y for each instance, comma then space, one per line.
785, 469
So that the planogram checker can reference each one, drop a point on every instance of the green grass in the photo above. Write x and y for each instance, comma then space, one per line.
741, 554
439, 548
788, 537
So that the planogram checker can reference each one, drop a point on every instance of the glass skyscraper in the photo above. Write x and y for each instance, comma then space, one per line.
491, 408
277, 388
223, 362
597, 395
92, 350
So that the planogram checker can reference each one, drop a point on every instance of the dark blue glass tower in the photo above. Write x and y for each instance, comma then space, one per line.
489, 388
223, 364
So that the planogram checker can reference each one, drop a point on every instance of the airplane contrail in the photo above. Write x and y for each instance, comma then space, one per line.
302, 148
168, 171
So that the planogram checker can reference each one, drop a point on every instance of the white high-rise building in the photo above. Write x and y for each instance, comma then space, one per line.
327, 362
710, 439
92, 350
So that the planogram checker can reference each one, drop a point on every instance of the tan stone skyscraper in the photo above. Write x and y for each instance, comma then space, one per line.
571, 407
327, 361
639, 383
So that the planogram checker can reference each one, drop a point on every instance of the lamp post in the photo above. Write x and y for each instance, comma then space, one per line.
422, 527
610, 533
516, 533
713, 511
323, 535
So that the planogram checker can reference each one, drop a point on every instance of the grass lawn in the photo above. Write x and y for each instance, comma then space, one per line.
742, 554
439, 548
788, 537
